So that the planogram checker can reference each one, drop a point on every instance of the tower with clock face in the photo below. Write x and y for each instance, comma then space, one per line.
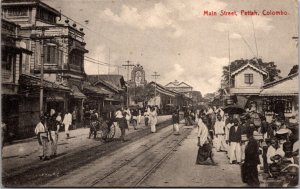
138, 76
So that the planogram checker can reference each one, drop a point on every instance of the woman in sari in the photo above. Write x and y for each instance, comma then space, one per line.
204, 143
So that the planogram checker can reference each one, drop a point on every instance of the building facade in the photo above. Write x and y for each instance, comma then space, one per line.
57, 55
247, 83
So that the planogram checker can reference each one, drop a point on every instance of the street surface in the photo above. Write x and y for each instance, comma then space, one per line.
160, 159
22, 167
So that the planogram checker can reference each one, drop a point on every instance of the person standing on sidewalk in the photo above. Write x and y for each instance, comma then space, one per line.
153, 116
235, 138
43, 138
67, 122
53, 126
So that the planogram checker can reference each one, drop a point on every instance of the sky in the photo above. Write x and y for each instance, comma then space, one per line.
175, 39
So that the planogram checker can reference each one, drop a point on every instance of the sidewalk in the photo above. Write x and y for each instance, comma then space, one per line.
25, 152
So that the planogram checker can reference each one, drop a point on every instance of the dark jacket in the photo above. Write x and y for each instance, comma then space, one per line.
175, 118
235, 136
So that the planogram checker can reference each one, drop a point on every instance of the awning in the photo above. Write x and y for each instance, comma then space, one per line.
285, 87
279, 94
76, 93
96, 90
8, 89
35, 81
16, 49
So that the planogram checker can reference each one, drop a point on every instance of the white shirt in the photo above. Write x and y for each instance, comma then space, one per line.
40, 128
272, 152
227, 128
119, 114
219, 127
68, 119
202, 132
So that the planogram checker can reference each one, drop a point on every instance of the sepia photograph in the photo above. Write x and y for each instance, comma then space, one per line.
149, 93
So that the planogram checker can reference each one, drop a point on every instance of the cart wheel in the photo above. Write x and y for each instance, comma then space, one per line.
102, 132
111, 133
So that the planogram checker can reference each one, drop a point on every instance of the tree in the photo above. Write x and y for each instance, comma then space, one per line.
294, 69
142, 93
269, 67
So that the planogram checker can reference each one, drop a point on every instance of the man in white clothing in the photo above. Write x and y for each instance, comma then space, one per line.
220, 134
43, 138
67, 122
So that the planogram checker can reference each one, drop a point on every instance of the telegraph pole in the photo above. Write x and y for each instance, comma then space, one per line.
42, 72
127, 66
155, 76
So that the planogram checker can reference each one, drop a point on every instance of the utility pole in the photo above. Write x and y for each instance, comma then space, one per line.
42, 72
127, 66
41, 39
229, 77
155, 76
108, 60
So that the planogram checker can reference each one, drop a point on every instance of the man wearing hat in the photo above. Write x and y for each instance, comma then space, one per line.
235, 138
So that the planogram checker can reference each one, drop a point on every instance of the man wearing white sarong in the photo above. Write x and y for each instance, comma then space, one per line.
67, 122
220, 134
235, 138
153, 119
43, 138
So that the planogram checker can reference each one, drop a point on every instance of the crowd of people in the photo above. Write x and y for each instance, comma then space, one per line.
247, 139
47, 130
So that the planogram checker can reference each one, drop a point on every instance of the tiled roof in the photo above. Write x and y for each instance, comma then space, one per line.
115, 82
30, 80
251, 66
287, 86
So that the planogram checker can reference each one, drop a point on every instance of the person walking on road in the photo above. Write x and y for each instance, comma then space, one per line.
67, 122
175, 120
43, 138
3, 134
122, 122
153, 116
127, 115
140, 116
53, 126
204, 143
235, 138
94, 126
134, 118
146, 116
249, 168
220, 134
74, 118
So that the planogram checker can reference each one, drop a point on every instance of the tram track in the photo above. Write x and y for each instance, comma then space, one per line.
144, 162
44, 172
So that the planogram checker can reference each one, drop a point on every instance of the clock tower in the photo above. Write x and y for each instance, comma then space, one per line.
137, 76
